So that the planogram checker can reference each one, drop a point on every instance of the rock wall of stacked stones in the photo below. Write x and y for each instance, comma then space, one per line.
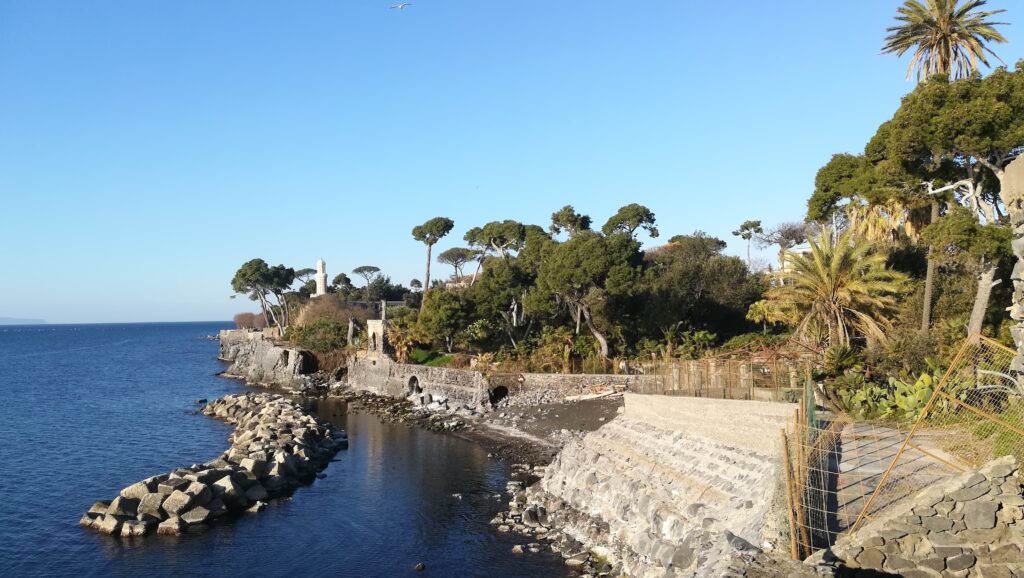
970, 525
381, 375
275, 447
666, 499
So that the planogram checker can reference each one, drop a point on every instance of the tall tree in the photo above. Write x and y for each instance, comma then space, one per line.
263, 282
586, 271
568, 220
501, 237
841, 288
785, 235
429, 234
367, 272
947, 37
457, 257
747, 231
974, 246
630, 218
442, 316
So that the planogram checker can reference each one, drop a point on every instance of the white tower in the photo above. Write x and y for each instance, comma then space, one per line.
321, 278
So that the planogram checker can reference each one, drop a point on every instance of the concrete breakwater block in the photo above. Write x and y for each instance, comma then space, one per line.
276, 446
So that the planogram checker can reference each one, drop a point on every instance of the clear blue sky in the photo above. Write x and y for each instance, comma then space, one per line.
148, 148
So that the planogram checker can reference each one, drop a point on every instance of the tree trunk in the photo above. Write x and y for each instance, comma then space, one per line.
597, 334
351, 332
986, 281
1011, 190
929, 279
479, 265
426, 282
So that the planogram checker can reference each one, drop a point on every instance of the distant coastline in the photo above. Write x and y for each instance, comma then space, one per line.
17, 321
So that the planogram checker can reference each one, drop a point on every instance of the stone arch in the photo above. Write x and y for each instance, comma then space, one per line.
497, 394
414, 385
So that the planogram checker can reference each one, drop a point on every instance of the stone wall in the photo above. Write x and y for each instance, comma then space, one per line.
380, 375
258, 360
969, 525
661, 487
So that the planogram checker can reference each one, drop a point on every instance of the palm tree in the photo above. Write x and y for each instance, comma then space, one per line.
841, 286
947, 38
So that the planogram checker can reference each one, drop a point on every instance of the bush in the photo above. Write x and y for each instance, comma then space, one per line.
250, 321
331, 307
320, 336
755, 341
897, 400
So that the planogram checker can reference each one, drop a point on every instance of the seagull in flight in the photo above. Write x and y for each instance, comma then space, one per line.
401, 6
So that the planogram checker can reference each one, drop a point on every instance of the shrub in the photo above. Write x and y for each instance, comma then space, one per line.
754, 341
320, 336
250, 321
331, 307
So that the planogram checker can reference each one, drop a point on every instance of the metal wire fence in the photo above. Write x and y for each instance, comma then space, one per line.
841, 471
774, 379
974, 415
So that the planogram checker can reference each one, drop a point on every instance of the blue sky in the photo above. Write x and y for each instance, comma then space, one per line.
148, 148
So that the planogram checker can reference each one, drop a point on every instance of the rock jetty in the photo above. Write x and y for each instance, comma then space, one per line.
276, 446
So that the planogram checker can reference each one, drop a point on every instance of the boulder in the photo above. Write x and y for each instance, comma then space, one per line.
150, 505
196, 515
136, 490
132, 528
217, 508
123, 507
256, 492
230, 493
108, 524
177, 502
200, 493
88, 519
172, 526
257, 467
172, 484
100, 507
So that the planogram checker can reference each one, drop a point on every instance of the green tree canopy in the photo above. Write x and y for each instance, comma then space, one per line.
429, 234
568, 220
456, 257
585, 271
442, 317
630, 218
368, 273
263, 282
500, 237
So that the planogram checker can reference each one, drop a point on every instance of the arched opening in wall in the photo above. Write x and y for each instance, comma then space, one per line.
414, 386
497, 394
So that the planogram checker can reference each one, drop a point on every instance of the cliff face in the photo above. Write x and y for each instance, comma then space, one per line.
259, 361
662, 487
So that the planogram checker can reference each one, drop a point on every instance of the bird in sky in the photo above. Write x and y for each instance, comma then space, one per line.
401, 6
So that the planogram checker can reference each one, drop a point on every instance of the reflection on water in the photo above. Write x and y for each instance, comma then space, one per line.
82, 425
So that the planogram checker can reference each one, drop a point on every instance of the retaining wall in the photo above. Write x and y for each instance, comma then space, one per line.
381, 375
665, 481
968, 525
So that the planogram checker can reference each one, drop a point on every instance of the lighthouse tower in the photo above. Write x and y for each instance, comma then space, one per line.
321, 278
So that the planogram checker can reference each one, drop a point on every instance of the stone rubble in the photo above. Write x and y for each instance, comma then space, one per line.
276, 446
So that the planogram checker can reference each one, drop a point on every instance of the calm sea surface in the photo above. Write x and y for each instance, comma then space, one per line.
88, 409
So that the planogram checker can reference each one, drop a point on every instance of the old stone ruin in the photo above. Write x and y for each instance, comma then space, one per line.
968, 525
276, 446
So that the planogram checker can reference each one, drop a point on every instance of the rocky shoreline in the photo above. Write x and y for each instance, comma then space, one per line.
276, 447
